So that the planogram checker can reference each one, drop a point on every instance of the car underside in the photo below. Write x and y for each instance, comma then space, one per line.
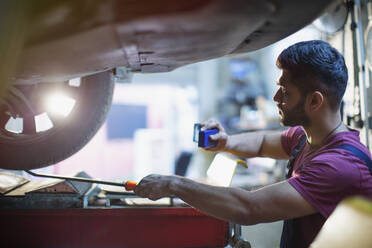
50, 43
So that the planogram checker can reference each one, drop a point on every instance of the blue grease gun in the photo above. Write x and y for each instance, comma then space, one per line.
202, 136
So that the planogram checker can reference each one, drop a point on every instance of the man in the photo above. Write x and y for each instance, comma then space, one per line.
322, 173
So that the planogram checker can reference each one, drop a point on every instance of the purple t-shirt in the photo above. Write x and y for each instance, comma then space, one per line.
325, 176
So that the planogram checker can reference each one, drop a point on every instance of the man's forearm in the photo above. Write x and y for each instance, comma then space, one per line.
230, 204
267, 204
245, 144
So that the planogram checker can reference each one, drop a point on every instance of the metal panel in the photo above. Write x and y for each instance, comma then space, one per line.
127, 227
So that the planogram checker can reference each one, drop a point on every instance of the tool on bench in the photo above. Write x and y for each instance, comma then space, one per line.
128, 185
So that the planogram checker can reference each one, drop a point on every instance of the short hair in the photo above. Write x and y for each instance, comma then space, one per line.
316, 66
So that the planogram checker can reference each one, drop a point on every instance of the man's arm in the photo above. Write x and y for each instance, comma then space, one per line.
249, 144
275, 202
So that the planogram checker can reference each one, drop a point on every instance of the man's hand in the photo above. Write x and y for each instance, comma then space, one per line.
247, 144
154, 187
221, 137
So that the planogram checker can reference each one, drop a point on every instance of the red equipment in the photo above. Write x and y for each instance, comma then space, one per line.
136, 227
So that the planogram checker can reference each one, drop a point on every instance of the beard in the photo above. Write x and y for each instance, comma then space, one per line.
295, 116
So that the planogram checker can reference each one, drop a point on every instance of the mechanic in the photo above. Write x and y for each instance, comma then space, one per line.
321, 173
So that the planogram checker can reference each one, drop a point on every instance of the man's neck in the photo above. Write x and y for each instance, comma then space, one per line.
321, 129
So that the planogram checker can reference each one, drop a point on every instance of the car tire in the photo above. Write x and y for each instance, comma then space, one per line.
24, 152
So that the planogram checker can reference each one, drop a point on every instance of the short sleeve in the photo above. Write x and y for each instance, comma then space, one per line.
290, 138
324, 183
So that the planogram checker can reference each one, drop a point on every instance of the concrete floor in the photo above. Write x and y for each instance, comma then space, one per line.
263, 235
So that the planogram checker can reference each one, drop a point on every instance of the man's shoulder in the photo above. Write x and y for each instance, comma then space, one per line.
346, 143
294, 132
336, 165
291, 137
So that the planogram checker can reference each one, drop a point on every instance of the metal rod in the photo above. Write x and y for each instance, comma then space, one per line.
79, 179
363, 87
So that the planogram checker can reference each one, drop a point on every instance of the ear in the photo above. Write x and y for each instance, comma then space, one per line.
315, 100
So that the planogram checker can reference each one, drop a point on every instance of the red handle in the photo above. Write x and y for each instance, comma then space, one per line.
130, 185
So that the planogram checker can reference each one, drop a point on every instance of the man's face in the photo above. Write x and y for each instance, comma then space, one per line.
290, 102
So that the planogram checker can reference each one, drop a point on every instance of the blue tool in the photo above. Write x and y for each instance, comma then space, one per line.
202, 136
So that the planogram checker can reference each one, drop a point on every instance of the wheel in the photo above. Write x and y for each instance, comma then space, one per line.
35, 145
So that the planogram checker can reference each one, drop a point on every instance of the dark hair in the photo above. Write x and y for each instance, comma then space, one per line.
315, 65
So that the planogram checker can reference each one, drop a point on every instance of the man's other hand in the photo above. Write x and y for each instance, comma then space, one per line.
221, 137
